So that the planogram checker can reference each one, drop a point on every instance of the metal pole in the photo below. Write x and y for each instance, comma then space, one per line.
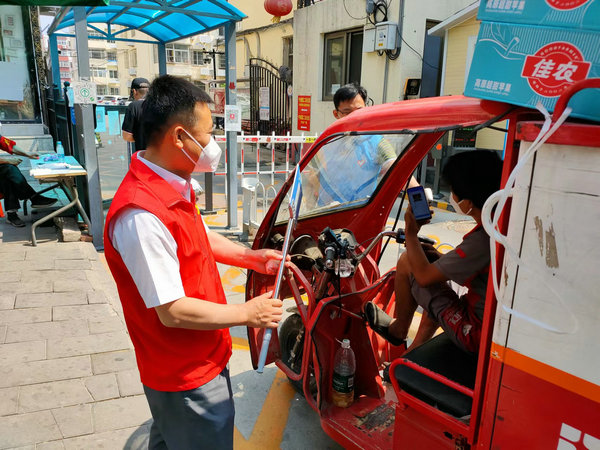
85, 130
162, 58
53, 44
231, 99
209, 176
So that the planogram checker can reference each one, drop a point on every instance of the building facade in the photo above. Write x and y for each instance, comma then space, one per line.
334, 50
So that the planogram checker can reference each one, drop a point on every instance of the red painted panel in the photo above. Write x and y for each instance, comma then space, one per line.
532, 411
581, 134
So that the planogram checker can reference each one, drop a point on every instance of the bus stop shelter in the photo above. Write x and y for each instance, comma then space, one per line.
163, 21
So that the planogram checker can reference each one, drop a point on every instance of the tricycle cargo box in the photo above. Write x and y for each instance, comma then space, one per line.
525, 65
574, 14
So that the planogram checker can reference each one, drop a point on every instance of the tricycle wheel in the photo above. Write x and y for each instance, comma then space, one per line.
292, 350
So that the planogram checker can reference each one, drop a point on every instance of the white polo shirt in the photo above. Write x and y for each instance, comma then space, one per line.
148, 248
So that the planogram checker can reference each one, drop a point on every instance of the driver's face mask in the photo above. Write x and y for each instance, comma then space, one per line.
456, 205
208, 161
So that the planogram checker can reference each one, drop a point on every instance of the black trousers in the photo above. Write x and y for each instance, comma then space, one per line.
14, 187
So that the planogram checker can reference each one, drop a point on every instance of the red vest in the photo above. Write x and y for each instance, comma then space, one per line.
169, 359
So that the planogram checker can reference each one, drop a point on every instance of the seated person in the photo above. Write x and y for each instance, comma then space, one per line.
473, 176
14, 186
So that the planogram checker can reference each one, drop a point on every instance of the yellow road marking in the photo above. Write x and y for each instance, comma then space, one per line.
240, 343
272, 419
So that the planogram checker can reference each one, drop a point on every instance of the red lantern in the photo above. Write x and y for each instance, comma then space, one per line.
278, 8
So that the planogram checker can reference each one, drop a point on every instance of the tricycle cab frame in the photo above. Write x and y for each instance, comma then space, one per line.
382, 417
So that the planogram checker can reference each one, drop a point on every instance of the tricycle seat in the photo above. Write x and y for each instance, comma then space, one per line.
441, 356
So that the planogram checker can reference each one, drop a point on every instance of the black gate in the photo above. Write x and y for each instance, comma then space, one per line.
270, 104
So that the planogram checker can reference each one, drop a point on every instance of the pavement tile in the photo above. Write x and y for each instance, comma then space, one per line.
20, 352
7, 301
53, 445
65, 285
120, 413
29, 315
8, 401
35, 264
86, 345
43, 371
46, 330
51, 299
102, 387
129, 382
16, 256
127, 438
3, 329
94, 297
12, 253
25, 429
113, 361
59, 250
33, 285
91, 312
72, 264
74, 420
106, 325
53, 275
56, 394
9, 277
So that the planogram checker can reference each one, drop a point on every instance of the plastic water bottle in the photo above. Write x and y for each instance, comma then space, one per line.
60, 151
343, 375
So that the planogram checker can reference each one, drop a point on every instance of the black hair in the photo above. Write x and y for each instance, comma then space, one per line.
474, 175
169, 100
348, 92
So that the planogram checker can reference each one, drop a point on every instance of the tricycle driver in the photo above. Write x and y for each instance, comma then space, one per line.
421, 281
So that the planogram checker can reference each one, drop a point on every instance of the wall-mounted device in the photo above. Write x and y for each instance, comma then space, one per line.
384, 36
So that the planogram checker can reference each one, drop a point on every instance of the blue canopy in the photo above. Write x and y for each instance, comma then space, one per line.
164, 20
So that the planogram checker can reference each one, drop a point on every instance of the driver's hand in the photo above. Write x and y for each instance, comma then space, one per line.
412, 225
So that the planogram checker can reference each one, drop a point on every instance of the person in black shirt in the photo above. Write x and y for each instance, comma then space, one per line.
132, 123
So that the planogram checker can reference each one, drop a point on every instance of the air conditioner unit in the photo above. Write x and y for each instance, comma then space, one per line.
132, 71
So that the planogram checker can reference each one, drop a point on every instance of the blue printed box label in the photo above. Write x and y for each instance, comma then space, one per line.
574, 14
525, 64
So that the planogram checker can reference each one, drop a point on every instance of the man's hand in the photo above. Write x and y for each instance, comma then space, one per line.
264, 311
268, 260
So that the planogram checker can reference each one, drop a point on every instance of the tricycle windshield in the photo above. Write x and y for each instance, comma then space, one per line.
346, 171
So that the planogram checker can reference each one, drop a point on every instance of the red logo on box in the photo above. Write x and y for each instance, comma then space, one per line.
554, 67
566, 4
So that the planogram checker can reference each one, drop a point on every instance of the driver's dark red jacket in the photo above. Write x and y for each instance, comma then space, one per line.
169, 359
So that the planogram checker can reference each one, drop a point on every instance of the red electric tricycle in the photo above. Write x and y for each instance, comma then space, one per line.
535, 382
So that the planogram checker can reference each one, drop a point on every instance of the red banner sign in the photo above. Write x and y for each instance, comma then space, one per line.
304, 112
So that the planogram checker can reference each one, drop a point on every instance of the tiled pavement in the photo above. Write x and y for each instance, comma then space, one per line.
68, 377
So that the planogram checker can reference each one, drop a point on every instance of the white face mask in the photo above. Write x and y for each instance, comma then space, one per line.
457, 207
208, 161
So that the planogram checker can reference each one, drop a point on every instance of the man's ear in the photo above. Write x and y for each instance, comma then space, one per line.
175, 135
336, 113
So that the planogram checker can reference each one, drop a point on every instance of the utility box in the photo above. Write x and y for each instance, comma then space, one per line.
368, 40
386, 36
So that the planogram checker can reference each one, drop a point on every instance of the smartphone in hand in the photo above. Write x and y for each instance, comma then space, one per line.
418, 203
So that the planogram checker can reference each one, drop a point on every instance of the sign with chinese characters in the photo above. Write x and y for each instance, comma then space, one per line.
554, 67
84, 92
573, 14
524, 65
233, 118
264, 103
304, 112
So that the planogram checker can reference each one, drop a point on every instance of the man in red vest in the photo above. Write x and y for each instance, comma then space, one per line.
163, 259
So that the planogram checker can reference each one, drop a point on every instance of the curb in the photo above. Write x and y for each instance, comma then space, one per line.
442, 205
